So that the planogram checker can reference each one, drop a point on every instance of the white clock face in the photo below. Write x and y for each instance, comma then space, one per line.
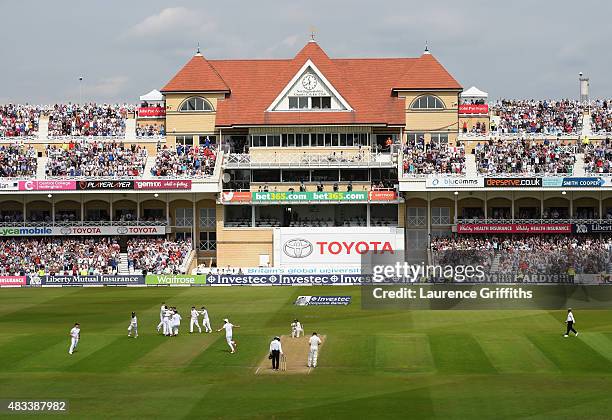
309, 82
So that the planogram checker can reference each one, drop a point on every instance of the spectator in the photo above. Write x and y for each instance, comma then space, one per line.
17, 161
18, 120
88, 120
95, 159
157, 256
192, 161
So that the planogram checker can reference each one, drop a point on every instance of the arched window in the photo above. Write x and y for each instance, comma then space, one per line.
427, 102
195, 104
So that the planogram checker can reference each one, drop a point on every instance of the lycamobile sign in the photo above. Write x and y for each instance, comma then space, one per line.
175, 279
310, 196
26, 231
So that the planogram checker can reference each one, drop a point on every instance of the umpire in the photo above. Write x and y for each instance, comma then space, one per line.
570, 323
276, 349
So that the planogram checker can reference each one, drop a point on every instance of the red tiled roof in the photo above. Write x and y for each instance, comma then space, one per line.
366, 84
196, 75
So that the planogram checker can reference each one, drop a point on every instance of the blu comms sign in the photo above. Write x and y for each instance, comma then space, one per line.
339, 246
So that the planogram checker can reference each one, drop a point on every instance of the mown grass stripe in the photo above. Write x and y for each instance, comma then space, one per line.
514, 354
571, 354
459, 353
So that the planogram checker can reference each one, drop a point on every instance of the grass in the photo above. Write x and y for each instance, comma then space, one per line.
376, 363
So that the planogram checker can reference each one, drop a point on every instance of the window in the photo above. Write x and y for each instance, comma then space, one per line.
195, 104
440, 215
208, 218
208, 241
184, 140
427, 102
439, 138
321, 102
298, 102
417, 216
184, 217
416, 138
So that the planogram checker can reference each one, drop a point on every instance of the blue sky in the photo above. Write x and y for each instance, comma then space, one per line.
518, 49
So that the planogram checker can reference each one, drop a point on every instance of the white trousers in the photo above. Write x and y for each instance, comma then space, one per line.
160, 325
194, 321
312, 357
132, 328
230, 342
206, 325
175, 329
296, 332
166, 326
73, 344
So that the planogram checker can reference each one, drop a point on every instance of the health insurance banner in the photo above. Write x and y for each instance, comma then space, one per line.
514, 228
175, 279
82, 230
13, 281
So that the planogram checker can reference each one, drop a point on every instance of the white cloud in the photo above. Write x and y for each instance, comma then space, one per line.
110, 87
169, 20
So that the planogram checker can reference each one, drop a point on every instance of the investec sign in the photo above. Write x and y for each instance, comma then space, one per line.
334, 246
82, 230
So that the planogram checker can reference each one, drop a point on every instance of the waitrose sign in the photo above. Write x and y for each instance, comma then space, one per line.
262, 197
176, 279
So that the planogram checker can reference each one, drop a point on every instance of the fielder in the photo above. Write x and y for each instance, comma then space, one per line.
133, 326
75, 335
296, 329
166, 322
162, 310
176, 323
194, 320
205, 320
570, 321
228, 326
314, 342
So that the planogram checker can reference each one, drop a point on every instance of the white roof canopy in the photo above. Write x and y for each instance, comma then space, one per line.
474, 92
154, 95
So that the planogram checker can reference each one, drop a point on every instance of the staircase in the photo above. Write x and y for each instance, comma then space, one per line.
470, 166
43, 129
130, 129
579, 165
587, 129
149, 165
41, 163
495, 264
123, 264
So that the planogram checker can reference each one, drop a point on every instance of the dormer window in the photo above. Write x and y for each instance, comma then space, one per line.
427, 102
196, 104
313, 102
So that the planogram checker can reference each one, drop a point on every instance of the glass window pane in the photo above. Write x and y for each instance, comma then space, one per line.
293, 102
303, 102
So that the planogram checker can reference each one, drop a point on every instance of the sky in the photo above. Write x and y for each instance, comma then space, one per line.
123, 49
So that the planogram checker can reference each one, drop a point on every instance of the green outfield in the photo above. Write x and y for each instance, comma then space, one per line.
442, 364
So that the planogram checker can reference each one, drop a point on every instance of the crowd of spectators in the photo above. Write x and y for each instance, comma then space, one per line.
51, 256
150, 131
433, 158
531, 116
95, 159
88, 120
17, 161
157, 255
524, 157
184, 160
598, 157
18, 120
601, 117
521, 255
